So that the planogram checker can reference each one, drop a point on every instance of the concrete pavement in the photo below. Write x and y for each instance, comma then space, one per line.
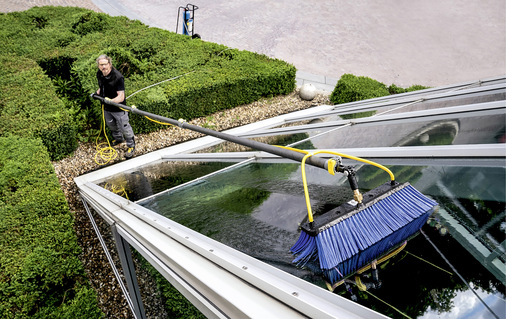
21, 5
428, 42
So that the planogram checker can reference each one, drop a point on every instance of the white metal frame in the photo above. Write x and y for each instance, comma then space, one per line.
220, 281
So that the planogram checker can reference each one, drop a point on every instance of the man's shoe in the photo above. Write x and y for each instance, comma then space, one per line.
130, 152
114, 142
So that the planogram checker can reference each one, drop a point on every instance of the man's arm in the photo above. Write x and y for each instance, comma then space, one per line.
120, 97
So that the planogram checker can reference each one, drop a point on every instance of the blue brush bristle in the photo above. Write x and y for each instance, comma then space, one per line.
305, 249
348, 245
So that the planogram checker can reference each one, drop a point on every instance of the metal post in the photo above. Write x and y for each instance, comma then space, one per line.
111, 262
125, 257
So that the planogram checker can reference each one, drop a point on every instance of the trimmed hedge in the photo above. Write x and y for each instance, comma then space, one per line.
65, 42
394, 89
41, 274
29, 106
225, 79
351, 88
213, 78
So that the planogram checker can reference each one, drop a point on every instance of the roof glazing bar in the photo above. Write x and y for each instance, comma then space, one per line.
496, 107
475, 151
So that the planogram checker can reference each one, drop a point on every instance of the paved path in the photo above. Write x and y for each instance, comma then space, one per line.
20, 5
428, 42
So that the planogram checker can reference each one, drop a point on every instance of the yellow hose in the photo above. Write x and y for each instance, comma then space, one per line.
157, 122
105, 152
118, 190
306, 192
392, 177
359, 284
331, 168
384, 258
369, 266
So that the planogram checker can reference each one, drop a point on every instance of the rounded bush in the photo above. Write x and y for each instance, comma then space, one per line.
351, 88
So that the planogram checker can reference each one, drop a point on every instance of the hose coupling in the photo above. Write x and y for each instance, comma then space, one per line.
357, 196
333, 165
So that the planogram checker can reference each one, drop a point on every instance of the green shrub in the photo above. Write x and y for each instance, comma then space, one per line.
394, 89
66, 41
351, 88
217, 82
89, 22
417, 87
29, 106
82, 306
41, 274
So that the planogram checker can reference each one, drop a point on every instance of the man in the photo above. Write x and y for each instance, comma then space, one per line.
111, 85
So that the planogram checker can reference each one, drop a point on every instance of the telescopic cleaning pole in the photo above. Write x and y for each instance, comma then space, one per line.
285, 153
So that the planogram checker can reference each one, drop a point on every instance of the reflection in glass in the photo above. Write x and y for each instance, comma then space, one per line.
256, 209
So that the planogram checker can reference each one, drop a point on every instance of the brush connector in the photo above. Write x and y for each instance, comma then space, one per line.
357, 196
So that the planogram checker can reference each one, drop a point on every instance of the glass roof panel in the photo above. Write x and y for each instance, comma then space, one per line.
256, 206
446, 130
451, 131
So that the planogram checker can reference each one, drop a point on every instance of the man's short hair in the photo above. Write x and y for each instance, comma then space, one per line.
102, 57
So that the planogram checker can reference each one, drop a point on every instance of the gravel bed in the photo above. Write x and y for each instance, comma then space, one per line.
97, 267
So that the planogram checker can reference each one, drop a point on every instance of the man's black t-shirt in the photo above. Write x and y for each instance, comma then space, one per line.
109, 86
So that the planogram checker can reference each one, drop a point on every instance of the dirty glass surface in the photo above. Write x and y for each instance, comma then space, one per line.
256, 208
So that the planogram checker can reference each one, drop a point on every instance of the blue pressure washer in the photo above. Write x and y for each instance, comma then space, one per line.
188, 15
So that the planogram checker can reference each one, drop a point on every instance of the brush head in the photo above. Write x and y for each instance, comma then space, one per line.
350, 208
350, 236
